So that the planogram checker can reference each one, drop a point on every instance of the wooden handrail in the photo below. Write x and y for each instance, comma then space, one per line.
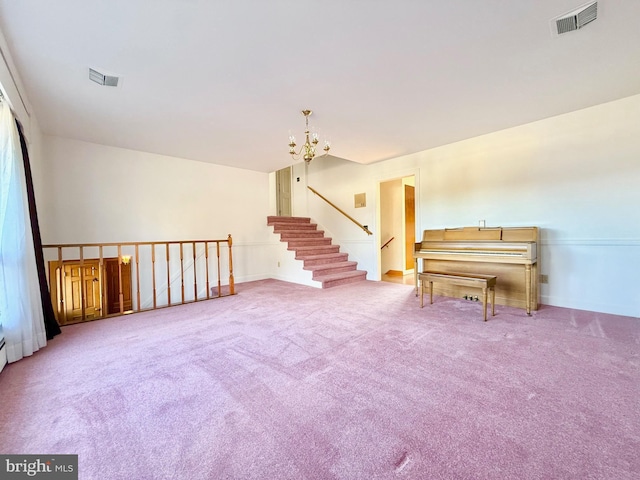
387, 243
89, 300
341, 211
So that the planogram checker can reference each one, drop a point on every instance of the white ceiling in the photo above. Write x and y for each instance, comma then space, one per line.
224, 81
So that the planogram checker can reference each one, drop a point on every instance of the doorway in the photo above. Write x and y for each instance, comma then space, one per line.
82, 286
87, 291
397, 227
283, 192
112, 290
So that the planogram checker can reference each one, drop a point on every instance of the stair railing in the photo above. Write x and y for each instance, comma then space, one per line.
387, 243
363, 227
81, 275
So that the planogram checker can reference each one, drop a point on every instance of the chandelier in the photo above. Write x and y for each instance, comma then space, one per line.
308, 150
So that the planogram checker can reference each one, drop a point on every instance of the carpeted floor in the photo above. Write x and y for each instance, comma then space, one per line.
284, 381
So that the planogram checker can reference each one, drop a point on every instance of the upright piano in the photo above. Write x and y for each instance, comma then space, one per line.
510, 253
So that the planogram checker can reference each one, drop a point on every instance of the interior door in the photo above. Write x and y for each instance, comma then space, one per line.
113, 286
82, 287
283, 191
409, 224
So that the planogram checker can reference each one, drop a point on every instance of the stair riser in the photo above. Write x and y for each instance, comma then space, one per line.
330, 271
344, 281
316, 250
272, 220
301, 235
316, 242
323, 261
306, 227
329, 266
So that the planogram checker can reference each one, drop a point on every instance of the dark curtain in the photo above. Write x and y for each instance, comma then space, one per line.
50, 324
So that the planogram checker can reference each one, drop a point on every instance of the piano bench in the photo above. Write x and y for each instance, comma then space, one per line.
486, 282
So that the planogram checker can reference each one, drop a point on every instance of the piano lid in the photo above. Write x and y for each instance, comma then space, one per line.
504, 234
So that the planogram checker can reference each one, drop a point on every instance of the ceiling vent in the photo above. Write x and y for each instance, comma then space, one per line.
577, 19
102, 79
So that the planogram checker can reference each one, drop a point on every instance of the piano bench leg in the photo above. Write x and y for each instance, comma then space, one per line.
493, 302
484, 303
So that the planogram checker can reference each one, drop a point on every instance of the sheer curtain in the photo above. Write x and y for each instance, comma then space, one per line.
20, 308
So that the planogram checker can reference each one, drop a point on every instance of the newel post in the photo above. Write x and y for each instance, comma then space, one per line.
231, 282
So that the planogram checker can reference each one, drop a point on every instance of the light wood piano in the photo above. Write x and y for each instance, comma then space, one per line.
510, 253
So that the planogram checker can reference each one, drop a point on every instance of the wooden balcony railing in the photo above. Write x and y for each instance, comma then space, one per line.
96, 280
363, 227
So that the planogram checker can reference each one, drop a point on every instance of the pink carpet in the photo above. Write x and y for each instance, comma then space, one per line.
284, 381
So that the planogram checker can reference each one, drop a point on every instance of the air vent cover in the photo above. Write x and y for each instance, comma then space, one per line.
577, 19
102, 79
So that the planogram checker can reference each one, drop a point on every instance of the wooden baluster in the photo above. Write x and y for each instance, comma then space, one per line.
218, 254
82, 292
153, 272
231, 280
527, 287
120, 293
195, 275
61, 291
182, 272
168, 278
138, 277
102, 283
206, 266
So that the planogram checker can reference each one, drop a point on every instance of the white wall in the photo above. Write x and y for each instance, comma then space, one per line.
94, 193
575, 176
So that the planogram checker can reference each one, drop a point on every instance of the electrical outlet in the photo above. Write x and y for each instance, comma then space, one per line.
278, 264
544, 278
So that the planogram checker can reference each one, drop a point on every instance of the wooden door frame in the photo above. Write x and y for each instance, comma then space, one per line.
409, 245
416, 177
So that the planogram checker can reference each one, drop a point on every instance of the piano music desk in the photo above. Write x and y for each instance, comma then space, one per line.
477, 280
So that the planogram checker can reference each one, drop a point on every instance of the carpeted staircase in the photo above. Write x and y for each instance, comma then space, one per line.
324, 260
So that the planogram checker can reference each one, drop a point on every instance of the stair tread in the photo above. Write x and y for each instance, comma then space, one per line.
276, 219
